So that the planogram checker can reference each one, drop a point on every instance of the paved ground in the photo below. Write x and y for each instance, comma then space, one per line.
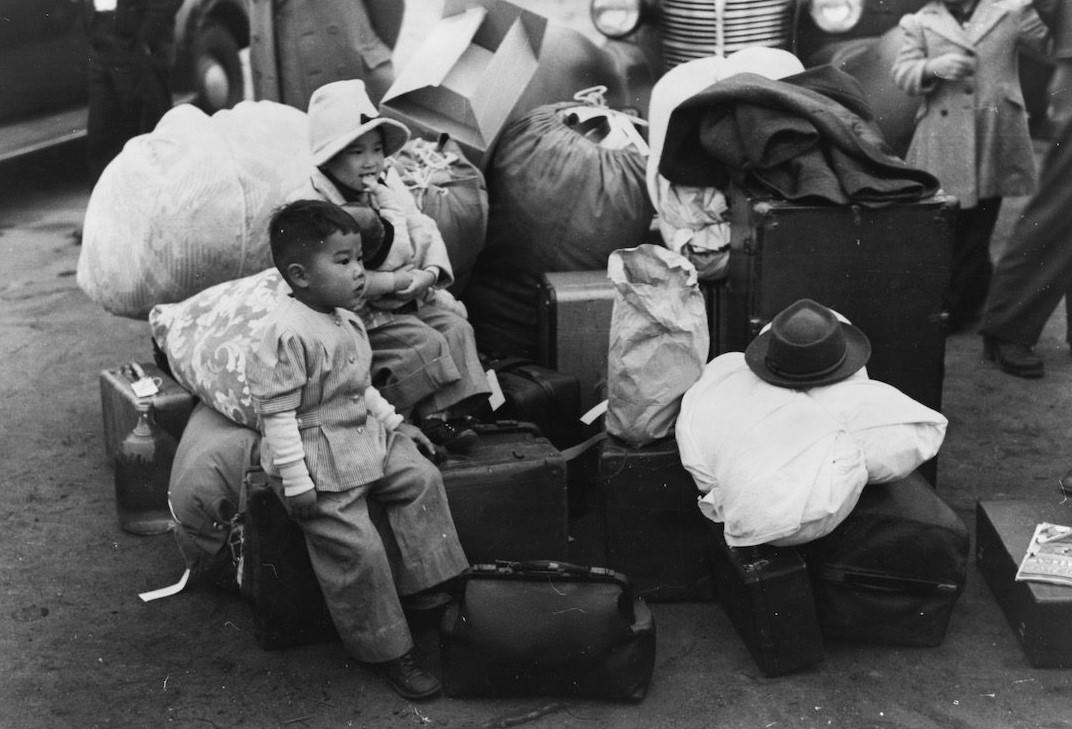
78, 649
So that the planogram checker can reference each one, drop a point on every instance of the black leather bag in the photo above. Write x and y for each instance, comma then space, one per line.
546, 628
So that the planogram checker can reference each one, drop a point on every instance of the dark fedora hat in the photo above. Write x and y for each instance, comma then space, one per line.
807, 345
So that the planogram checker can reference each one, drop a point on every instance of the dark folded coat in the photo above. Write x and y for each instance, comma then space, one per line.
807, 138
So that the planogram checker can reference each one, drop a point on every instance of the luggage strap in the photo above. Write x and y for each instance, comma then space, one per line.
869, 580
576, 451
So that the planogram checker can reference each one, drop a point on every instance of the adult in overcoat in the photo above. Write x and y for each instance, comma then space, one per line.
971, 129
131, 50
1035, 271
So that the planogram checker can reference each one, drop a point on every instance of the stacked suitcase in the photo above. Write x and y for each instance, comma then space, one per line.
890, 573
1038, 613
654, 532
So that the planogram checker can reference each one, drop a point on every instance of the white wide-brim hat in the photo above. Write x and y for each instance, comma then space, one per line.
340, 112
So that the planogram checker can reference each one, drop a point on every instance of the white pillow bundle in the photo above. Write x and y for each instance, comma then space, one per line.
785, 466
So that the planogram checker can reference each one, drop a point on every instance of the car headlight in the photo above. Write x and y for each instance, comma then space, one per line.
615, 18
836, 16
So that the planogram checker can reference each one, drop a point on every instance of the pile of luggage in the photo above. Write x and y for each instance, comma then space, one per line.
576, 299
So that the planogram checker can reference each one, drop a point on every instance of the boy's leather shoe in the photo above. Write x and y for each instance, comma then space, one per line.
456, 438
408, 679
1013, 358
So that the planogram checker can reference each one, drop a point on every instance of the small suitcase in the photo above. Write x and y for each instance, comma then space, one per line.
767, 596
546, 628
508, 495
549, 399
893, 570
274, 572
1040, 614
574, 328
172, 405
654, 530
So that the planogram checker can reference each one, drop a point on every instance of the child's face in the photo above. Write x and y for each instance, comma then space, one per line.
362, 157
334, 275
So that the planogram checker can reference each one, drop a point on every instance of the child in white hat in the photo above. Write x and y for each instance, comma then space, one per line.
425, 359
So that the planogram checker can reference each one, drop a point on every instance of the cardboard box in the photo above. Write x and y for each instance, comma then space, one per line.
469, 74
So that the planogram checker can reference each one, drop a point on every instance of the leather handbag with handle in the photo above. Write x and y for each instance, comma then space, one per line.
546, 628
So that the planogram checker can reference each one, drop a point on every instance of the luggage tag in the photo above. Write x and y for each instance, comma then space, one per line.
496, 399
142, 384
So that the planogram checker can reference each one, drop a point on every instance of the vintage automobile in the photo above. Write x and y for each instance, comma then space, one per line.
647, 37
43, 50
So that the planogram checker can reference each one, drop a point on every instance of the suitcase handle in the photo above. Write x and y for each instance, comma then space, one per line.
554, 568
886, 583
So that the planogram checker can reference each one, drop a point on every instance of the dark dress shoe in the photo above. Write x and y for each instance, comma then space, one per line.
1013, 358
408, 679
456, 437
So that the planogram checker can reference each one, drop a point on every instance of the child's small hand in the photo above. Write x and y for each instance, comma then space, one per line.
302, 506
403, 280
418, 437
951, 66
422, 281
386, 198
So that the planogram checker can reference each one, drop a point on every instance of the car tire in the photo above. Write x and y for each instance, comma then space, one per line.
217, 68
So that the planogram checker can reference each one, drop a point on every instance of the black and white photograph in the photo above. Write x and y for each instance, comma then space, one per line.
483, 364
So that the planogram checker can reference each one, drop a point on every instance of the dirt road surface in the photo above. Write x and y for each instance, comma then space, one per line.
78, 649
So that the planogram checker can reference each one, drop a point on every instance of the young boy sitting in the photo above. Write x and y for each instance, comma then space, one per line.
425, 359
334, 442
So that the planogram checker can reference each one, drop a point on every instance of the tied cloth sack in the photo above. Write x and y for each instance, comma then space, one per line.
560, 201
450, 190
187, 205
659, 340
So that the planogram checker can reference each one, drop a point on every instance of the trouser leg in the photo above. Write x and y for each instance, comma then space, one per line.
415, 502
971, 266
351, 565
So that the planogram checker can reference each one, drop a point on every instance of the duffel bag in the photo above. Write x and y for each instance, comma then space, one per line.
546, 628
892, 571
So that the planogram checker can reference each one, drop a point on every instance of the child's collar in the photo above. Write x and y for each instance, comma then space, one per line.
348, 193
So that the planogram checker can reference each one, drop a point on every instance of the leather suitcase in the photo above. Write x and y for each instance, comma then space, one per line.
549, 399
574, 328
546, 628
508, 495
172, 405
884, 268
767, 595
274, 572
1039, 614
893, 570
654, 530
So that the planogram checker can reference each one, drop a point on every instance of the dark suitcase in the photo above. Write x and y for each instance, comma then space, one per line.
893, 570
274, 573
546, 628
172, 405
549, 399
654, 530
1040, 614
574, 328
767, 595
508, 495
886, 269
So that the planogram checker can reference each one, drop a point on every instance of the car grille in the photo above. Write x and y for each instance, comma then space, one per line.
691, 28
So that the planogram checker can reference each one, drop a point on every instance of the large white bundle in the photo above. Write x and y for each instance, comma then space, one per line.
187, 205
784, 466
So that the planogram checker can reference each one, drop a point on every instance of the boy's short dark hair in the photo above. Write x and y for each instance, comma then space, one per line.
297, 228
